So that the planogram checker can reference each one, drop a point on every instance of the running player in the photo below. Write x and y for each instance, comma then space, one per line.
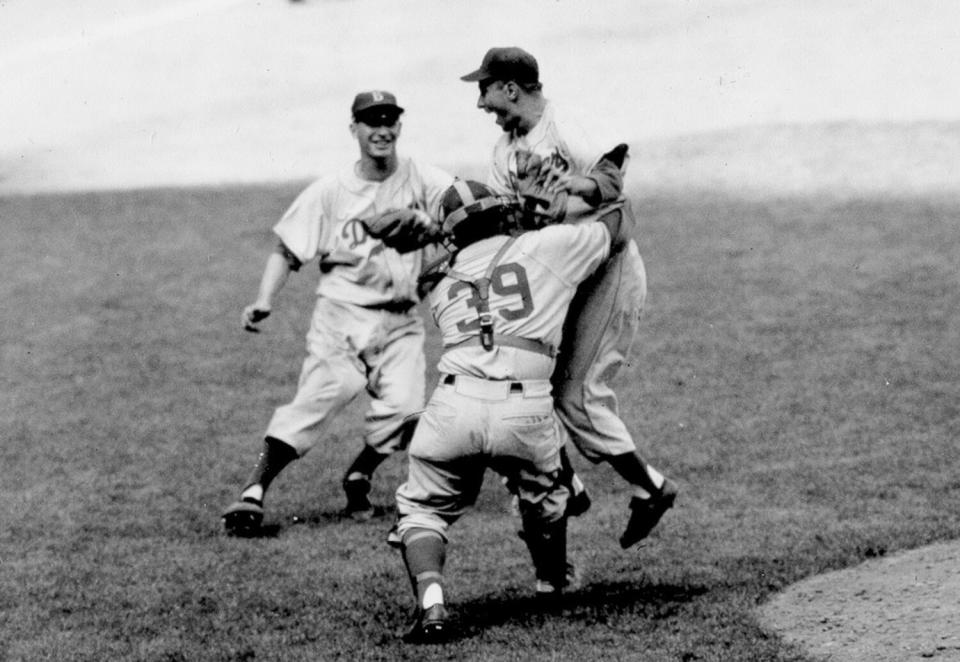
364, 333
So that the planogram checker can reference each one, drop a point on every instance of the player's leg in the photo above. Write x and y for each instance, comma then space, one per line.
444, 477
395, 381
542, 504
599, 331
526, 442
329, 379
424, 554
579, 501
326, 386
244, 516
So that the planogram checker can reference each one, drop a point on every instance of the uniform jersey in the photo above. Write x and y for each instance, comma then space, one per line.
325, 222
603, 319
552, 139
530, 291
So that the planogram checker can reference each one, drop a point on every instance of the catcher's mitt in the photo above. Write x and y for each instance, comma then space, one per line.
403, 230
541, 206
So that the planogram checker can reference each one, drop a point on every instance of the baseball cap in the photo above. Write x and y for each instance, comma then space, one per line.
509, 63
375, 99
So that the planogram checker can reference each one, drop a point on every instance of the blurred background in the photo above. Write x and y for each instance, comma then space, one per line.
739, 94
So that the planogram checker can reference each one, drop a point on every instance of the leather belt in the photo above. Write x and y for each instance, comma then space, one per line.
450, 380
393, 306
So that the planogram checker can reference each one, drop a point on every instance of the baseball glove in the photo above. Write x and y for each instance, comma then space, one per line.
541, 204
403, 230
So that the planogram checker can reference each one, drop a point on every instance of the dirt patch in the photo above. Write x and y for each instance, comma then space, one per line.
896, 609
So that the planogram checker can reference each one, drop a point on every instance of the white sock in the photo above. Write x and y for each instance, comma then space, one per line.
657, 479
655, 476
432, 596
255, 491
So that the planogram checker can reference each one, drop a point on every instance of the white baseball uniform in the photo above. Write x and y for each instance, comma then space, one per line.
364, 332
604, 317
495, 407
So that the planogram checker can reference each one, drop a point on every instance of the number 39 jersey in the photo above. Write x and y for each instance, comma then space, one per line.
530, 291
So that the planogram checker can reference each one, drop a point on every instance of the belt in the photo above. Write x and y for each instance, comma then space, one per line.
392, 306
528, 344
450, 380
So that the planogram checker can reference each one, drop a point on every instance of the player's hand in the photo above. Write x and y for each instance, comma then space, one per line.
253, 315
555, 179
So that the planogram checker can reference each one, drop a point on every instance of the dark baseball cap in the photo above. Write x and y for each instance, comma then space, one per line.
509, 63
375, 100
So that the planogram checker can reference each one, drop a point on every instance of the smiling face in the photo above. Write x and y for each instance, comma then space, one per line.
499, 98
376, 133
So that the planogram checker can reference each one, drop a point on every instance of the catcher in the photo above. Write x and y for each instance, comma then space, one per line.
499, 298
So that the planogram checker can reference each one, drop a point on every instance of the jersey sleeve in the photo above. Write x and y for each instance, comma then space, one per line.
573, 252
304, 228
590, 161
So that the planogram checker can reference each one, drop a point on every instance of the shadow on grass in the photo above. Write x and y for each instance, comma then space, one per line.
265, 531
589, 605
330, 517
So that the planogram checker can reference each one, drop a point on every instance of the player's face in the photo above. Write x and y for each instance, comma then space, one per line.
377, 134
495, 99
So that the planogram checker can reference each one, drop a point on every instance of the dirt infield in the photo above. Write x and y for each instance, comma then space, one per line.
897, 609
715, 98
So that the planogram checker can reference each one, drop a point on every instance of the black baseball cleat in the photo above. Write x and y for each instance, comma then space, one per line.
646, 513
358, 507
430, 626
243, 518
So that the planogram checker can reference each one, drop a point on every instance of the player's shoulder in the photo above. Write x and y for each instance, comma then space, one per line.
566, 118
424, 171
568, 130
314, 198
562, 237
321, 185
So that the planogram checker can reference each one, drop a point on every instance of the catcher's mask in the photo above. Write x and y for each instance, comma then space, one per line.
471, 211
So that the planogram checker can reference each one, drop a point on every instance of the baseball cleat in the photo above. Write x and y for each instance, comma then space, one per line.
358, 507
430, 626
646, 513
243, 518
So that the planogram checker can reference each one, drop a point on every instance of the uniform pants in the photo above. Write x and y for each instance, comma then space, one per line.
473, 424
349, 349
597, 336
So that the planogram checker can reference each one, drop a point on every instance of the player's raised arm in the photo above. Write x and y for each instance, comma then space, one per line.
601, 184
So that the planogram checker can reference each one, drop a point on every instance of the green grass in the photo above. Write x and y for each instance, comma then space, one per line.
796, 372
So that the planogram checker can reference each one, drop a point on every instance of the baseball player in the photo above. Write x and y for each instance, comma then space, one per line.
364, 333
500, 307
551, 168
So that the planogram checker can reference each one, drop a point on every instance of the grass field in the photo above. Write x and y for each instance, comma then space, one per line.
796, 372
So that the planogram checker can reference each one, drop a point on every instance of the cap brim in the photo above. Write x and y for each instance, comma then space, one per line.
380, 108
475, 76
